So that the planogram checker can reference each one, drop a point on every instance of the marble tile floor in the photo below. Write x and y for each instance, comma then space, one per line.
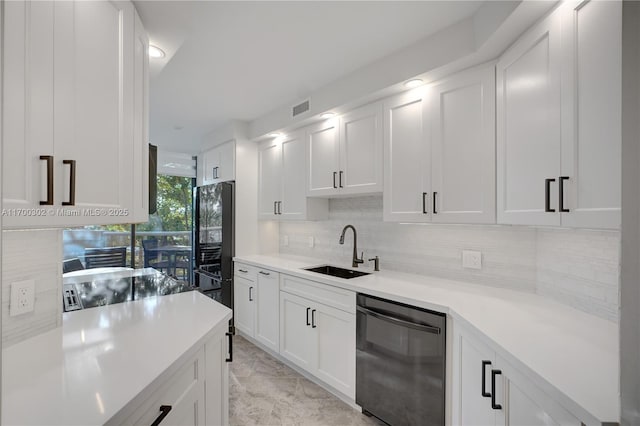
265, 392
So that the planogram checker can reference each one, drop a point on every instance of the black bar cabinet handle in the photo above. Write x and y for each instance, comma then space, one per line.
424, 202
313, 318
279, 207
164, 410
275, 211
334, 180
561, 194
435, 194
244, 271
72, 183
547, 196
484, 378
230, 336
49, 160
308, 309
265, 273
340, 179
250, 299
495, 406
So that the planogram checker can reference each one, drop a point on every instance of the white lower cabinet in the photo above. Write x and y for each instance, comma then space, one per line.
488, 390
320, 339
256, 304
195, 392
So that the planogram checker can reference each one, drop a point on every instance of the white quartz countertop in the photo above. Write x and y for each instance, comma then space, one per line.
101, 358
573, 352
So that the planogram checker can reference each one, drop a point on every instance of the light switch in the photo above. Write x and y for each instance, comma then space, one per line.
471, 259
285, 241
311, 242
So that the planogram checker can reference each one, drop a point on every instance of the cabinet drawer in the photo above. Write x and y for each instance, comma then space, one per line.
183, 391
323, 293
245, 271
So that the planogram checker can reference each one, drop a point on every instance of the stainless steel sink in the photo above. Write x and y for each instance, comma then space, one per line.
336, 271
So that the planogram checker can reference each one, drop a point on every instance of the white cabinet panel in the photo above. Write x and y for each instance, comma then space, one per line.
270, 180
267, 330
463, 148
528, 125
591, 140
361, 150
141, 124
336, 348
297, 342
407, 152
293, 201
217, 164
244, 294
323, 158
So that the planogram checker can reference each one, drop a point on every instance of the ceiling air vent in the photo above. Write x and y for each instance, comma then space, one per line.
300, 108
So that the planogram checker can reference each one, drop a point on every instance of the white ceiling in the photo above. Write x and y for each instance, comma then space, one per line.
240, 60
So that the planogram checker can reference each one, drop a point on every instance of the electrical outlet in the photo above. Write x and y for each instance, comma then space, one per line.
311, 242
22, 297
285, 241
471, 259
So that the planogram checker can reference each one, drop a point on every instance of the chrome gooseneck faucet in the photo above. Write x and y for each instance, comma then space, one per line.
355, 260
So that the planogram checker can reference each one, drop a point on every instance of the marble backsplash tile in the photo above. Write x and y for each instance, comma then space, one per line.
583, 272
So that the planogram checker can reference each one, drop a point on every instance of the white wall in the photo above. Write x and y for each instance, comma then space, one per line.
35, 255
630, 284
577, 267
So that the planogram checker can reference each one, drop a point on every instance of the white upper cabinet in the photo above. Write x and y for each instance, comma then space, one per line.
281, 183
463, 148
559, 120
528, 127
323, 163
141, 123
439, 147
591, 110
361, 150
72, 89
407, 153
345, 153
217, 164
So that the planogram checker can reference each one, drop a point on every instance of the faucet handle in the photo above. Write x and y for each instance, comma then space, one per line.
361, 259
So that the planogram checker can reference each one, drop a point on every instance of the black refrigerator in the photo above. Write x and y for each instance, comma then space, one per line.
214, 241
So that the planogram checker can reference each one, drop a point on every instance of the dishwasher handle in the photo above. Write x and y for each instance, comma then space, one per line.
399, 321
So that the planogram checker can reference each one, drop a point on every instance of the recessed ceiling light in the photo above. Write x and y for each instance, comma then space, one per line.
327, 115
413, 83
155, 52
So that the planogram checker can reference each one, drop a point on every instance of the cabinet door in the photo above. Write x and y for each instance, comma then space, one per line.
141, 124
244, 296
323, 153
470, 358
591, 139
294, 194
216, 381
336, 343
528, 126
361, 150
463, 163
269, 180
209, 161
227, 162
407, 154
93, 81
268, 309
297, 340
27, 113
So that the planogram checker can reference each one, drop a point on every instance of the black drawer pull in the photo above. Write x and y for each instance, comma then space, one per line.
275, 211
230, 336
308, 309
561, 194
495, 406
435, 194
547, 196
164, 410
484, 378
250, 299
279, 207
49, 160
244, 271
72, 183
424, 202
265, 273
313, 318
340, 179
334, 180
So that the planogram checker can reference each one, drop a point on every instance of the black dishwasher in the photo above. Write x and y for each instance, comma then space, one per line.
400, 362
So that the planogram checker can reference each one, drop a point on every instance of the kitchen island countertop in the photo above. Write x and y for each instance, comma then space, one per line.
88, 370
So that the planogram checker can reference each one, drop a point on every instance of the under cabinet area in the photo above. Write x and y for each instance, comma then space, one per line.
282, 192
74, 117
562, 166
